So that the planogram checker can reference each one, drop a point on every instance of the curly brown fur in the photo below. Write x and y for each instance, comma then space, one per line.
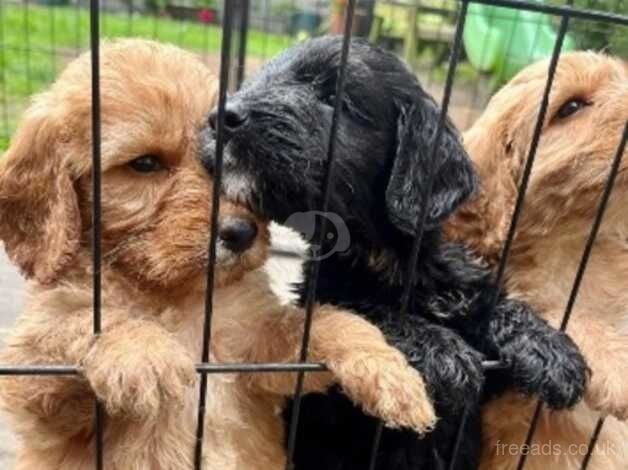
571, 168
155, 226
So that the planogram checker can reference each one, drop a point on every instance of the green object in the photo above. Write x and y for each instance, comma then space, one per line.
502, 41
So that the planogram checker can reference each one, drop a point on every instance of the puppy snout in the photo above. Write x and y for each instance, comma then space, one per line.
237, 234
235, 116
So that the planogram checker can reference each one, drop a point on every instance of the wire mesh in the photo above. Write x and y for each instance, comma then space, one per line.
260, 45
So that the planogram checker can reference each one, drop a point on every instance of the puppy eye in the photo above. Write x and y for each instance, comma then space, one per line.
146, 164
571, 107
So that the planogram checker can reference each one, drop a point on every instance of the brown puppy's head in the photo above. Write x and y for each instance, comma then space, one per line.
156, 197
587, 111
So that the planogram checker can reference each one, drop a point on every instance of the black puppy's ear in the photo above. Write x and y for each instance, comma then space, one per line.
454, 176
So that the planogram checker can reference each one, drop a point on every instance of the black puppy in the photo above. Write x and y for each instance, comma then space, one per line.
277, 134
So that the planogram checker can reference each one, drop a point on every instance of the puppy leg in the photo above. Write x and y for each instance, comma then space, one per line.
452, 369
544, 361
132, 367
373, 374
606, 352
136, 367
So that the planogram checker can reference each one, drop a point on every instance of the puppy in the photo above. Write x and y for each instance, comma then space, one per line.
155, 217
278, 133
587, 112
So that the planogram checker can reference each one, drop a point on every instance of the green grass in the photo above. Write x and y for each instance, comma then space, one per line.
37, 42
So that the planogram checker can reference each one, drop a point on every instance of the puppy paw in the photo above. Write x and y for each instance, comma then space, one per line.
453, 371
549, 366
608, 390
385, 386
137, 371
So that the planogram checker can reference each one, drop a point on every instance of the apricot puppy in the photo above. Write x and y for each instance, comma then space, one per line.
587, 113
156, 204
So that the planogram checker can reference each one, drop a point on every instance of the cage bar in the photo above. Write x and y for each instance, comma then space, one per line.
225, 59
99, 415
608, 187
312, 275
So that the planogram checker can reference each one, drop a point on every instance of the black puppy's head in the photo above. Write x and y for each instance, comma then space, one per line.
277, 131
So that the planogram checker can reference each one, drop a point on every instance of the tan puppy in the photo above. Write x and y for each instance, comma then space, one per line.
155, 224
587, 112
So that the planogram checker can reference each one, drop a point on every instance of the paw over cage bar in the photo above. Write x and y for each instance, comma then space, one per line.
236, 16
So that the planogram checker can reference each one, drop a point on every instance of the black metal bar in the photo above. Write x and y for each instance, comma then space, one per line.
458, 442
521, 194
39, 370
260, 368
245, 7
533, 424
586, 254
536, 137
312, 275
414, 254
562, 11
96, 208
201, 368
96, 163
451, 72
592, 443
581, 269
225, 59
377, 439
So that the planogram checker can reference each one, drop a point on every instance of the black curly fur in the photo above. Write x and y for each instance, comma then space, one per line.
278, 149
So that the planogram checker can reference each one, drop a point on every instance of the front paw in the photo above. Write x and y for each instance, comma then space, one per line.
137, 371
453, 371
385, 386
608, 390
549, 366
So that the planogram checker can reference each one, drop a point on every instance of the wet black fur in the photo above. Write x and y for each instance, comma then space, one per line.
382, 163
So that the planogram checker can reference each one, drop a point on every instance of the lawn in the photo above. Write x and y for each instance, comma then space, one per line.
36, 42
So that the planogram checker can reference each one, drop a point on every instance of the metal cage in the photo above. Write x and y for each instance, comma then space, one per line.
235, 22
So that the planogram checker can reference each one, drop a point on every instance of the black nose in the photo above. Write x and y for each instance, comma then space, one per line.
237, 235
235, 116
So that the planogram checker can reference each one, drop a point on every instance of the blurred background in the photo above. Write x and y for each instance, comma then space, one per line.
38, 37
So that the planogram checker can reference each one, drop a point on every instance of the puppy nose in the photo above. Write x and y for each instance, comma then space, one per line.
235, 116
237, 235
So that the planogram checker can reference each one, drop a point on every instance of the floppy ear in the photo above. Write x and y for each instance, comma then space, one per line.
39, 215
454, 176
